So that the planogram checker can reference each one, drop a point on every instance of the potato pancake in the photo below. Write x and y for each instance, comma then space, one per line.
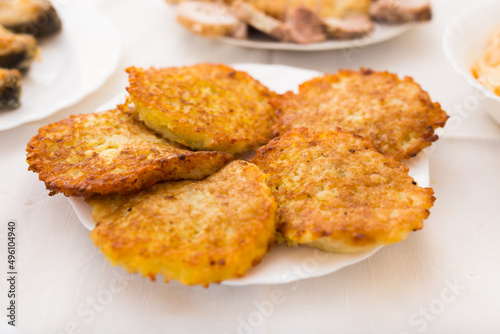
335, 192
111, 152
204, 106
397, 115
194, 232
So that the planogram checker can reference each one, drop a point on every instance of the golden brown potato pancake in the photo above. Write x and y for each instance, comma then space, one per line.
195, 232
204, 106
397, 115
111, 152
335, 192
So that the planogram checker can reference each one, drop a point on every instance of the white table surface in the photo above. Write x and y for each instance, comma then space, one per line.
443, 279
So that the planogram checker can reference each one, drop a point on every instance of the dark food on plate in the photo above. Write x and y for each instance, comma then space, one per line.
205, 106
17, 50
34, 17
20, 20
396, 114
195, 232
335, 192
10, 88
111, 153
298, 21
400, 11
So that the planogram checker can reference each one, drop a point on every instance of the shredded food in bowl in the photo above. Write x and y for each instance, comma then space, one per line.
487, 67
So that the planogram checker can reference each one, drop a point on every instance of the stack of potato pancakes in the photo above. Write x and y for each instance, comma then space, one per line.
169, 195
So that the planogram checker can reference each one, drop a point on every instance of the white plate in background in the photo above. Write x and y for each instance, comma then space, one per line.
379, 34
282, 264
74, 62
464, 40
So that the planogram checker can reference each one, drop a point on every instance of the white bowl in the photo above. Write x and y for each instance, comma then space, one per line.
464, 40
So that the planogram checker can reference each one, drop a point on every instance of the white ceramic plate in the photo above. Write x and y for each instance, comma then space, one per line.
73, 63
282, 264
381, 33
463, 41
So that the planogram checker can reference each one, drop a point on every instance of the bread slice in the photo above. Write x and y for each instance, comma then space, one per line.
112, 153
261, 21
10, 89
401, 11
210, 19
351, 27
335, 192
195, 232
35, 17
396, 114
17, 50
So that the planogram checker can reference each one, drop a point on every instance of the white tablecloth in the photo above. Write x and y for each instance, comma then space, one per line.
443, 279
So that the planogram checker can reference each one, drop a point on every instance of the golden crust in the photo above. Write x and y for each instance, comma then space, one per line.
195, 232
397, 115
111, 152
204, 106
337, 193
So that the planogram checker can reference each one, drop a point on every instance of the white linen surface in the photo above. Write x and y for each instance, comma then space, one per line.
444, 278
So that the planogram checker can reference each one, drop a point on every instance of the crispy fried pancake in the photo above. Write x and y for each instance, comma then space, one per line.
205, 106
397, 115
335, 192
111, 152
195, 232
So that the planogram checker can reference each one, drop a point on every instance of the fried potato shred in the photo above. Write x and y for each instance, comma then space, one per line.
111, 152
396, 114
331, 180
195, 232
335, 192
204, 106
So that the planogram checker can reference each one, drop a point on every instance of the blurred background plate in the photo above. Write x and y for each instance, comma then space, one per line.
380, 33
74, 63
464, 40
